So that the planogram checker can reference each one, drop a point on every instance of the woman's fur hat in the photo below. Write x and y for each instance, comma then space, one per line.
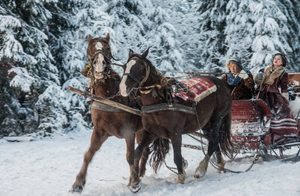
236, 61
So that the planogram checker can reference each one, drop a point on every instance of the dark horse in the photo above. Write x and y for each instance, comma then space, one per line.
212, 114
108, 121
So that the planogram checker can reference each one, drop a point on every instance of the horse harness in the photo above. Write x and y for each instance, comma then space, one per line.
108, 73
166, 96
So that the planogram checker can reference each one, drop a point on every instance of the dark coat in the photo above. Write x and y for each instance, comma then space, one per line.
243, 90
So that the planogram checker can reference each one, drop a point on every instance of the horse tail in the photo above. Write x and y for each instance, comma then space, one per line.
225, 136
159, 149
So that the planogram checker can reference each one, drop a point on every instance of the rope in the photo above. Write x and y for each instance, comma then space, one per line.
117, 64
256, 157
172, 169
198, 140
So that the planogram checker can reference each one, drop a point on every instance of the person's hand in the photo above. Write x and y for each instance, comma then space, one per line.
243, 75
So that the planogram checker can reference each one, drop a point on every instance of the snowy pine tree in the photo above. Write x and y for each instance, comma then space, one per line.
290, 9
257, 29
30, 59
211, 20
162, 40
43, 47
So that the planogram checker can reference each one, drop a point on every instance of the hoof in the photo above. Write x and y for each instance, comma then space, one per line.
135, 188
199, 174
201, 169
181, 178
76, 189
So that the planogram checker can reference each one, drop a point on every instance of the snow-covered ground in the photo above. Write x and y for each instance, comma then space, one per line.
49, 167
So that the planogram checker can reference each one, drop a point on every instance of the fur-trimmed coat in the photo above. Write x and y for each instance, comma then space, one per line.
271, 89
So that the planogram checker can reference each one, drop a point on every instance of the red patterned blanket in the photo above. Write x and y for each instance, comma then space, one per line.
284, 126
197, 89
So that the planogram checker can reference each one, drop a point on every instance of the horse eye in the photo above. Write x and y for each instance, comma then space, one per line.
103, 62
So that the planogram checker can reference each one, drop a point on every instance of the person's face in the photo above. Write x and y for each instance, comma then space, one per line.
234, 68
277, 61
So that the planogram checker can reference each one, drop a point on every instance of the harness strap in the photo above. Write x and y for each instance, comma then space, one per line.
104, 107
170, 107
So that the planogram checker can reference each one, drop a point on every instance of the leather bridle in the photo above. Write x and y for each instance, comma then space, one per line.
140, 83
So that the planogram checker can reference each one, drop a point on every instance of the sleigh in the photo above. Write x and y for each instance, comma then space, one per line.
294, 85
254, 129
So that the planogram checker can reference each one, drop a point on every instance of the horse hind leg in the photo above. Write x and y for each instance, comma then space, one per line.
96, 142
224, 142
213, 144
178, 159
202, 167
212, 147
220, 160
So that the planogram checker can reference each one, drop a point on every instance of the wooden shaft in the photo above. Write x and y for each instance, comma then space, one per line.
106, 101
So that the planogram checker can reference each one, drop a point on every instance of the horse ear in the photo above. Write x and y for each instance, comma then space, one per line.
144, 55
88, 37
130, 53
107, 37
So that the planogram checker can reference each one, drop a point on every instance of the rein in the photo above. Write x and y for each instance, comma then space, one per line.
117, 64
148, 69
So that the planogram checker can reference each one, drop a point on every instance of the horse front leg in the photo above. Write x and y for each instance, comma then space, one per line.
97, 140
178, 159
134, 180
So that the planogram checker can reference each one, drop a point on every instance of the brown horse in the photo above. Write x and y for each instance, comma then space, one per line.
211, 114
108, 121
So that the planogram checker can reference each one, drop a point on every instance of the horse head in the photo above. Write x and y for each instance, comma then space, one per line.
138, 73
99, 57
